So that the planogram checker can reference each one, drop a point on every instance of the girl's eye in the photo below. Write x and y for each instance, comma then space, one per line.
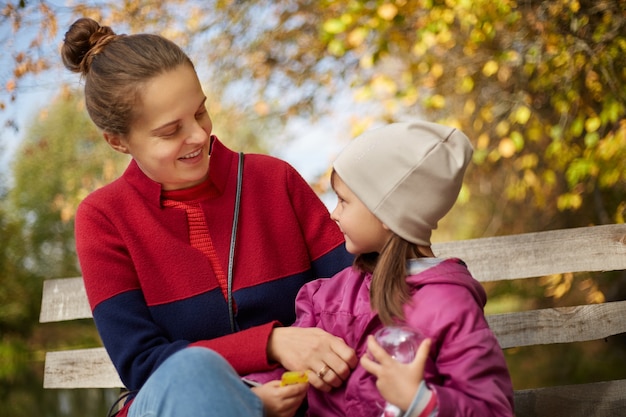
201, 114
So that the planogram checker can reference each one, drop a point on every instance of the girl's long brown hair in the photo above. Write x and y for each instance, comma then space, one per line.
389, 290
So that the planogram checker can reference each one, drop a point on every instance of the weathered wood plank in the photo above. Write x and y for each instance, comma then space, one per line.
559, 325
76, 368
82, 368
597, 248
600, 399
64, 299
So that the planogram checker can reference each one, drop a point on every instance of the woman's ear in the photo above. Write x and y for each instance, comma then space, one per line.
115, 141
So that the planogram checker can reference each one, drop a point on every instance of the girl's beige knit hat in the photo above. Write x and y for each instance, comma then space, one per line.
407, 174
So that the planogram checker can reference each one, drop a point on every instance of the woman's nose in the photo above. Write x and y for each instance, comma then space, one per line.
197, 134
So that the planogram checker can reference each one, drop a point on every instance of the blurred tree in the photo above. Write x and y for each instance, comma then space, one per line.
540, 88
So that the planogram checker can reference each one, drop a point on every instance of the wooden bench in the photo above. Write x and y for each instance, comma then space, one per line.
588, 249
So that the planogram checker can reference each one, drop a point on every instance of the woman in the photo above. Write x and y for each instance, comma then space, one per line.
195, 245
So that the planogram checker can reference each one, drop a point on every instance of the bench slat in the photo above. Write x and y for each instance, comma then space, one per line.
559, 325
597, 248
598, 399
81, 368
64, 299
91, 368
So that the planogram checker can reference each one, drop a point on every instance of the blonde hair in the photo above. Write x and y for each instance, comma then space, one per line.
389, 291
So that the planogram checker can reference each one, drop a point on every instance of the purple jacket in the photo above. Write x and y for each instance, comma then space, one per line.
466, 366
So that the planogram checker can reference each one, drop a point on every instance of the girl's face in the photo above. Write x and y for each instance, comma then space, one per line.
363, 232
170, 138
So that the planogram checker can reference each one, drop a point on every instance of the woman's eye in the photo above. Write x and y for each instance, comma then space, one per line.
169, 133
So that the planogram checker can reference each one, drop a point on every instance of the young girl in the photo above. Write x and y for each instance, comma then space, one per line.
393, 186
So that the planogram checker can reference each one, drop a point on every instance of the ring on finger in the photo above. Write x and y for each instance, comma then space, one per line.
322, 372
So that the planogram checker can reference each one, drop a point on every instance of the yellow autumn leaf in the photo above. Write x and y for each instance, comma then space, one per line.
437, 101
592, 124
436, 70
356, 37
483, 141
387, 11
503, 128
490, 68
506, 148
521, 115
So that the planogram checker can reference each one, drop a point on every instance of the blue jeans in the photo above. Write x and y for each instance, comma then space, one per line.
195, 382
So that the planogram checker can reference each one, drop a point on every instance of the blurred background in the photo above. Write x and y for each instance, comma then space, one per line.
538, 86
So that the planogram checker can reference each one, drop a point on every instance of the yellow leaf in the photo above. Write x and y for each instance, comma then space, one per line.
334, 26
503, 128
438, 101
483, 141
356, 37
470, 107
521, 115
506, 147
490, 68
336, 47
592, 124
436, 70
387, 11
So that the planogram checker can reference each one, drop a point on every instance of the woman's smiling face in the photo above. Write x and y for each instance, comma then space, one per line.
170, 137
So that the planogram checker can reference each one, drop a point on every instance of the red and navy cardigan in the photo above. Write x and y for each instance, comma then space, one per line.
153, 294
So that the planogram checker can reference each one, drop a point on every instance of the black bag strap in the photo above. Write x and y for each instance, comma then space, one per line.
233, 238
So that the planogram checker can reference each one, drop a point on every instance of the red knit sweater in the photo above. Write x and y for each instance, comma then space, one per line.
152, 293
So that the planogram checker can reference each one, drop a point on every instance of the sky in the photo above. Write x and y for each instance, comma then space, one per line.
311, 148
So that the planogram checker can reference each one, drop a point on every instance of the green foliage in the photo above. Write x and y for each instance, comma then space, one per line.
540, 88
544, 81
62, 159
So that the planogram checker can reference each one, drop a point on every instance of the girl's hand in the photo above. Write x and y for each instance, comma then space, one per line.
396, 382
327, 358
280, 401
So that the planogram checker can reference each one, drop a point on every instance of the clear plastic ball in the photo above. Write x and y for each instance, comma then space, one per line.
400, 342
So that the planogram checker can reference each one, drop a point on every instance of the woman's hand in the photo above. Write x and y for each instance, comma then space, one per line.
280, 401
396, 382
327, 358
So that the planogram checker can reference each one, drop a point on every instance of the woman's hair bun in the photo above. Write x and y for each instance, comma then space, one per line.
83, 40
